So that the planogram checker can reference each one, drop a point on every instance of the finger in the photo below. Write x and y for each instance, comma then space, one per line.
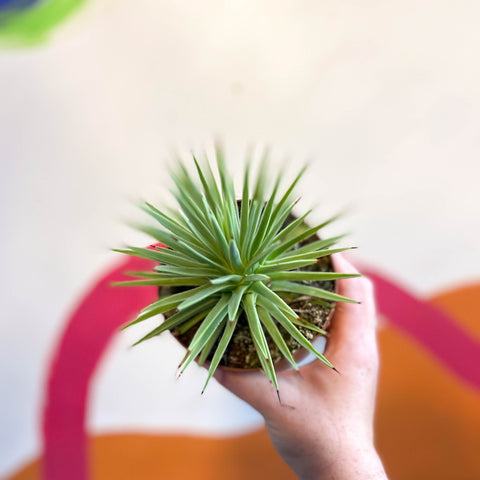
345, 287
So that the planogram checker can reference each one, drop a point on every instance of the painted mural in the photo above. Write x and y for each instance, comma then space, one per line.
30, 22
385, 96
425, 393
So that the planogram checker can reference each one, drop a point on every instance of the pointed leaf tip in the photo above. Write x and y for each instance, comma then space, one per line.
286, 405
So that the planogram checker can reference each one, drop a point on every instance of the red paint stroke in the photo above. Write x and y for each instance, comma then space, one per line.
104, 309
97, 318
434, 330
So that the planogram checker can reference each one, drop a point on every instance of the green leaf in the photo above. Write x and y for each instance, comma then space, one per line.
179, 231
235, 258
209, 187
228, 193
177, 259
178, 319
272, 268
192, 321
166, 256
270, 295
169, 223
259, 339
146, 274
139, 252
219, 236
266, 366
298, 238
293, 255
281, 213
187, 271
172, 243
277, 236
311, 276
300, 322
184, 182
288, 193
235, 300
167, 325
277, 337
230, 326
208, 326
292, 316
161, 280
257, 206
197, 220
201, 295
176, 298
160, 306
282, 286
209, 345
245, 208
254, 216
256, 277
161, 236
201, 258
270, 243
226, 279
254, 323
215, 199
314, 246
265, 220
295, 333
262, 175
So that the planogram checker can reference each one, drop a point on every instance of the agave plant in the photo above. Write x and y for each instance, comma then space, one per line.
224, 259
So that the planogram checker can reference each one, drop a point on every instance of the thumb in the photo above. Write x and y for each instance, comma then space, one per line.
353, 325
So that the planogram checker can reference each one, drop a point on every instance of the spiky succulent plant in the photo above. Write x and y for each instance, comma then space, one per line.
226, 258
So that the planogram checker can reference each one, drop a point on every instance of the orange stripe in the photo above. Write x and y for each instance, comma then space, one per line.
31, 471
463, 304
142, 457
428, 421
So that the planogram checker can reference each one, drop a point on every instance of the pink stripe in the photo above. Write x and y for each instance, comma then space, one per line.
431, 328
88, 331
104, 309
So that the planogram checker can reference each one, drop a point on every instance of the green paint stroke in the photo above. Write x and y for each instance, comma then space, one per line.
33, 25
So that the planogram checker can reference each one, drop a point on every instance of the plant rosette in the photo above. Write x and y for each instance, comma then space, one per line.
241, 353
243, 284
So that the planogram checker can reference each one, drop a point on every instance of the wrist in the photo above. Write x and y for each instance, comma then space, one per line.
355, 463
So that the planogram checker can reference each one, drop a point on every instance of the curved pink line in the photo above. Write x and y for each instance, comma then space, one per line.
430, 327
104, 309
88, 331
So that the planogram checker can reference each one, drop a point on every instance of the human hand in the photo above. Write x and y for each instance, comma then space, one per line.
324, 426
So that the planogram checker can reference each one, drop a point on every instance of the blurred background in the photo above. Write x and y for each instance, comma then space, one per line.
382, 98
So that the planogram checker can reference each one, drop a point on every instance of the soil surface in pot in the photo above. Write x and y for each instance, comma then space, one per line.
241, 352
